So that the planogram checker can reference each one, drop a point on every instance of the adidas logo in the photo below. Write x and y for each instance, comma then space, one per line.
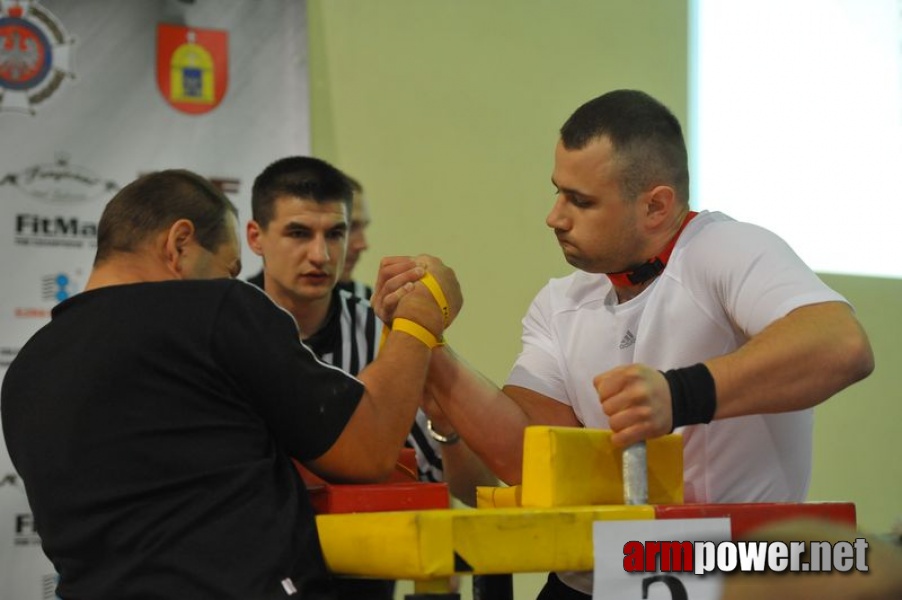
628, 340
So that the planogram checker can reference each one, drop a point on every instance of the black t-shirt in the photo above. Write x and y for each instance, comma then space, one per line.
152, 425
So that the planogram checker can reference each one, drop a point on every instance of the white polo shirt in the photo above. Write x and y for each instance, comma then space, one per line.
725, 282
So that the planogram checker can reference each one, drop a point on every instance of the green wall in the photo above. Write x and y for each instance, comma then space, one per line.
448, 113
856, 433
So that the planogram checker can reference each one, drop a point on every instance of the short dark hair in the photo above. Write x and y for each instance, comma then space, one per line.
153, 202
646, 137
356, 186
301, 177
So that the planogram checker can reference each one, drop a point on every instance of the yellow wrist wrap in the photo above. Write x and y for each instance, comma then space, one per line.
436, 290
418, 331
424, 335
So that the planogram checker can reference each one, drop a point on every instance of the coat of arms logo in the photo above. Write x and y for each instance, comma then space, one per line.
192, 67
35, 55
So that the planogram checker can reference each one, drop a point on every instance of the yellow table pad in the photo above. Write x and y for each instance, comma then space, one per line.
429, 544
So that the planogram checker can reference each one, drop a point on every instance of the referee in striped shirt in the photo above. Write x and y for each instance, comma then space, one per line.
301, 228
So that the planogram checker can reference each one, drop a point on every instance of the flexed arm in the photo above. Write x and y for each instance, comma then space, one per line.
794, 363
368, 447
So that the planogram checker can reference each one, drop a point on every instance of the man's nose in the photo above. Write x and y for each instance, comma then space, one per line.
557, 218
319, 250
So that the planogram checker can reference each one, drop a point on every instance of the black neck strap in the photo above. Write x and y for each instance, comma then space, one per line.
652, 267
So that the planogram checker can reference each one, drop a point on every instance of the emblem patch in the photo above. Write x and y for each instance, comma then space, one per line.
35, 56
192, 67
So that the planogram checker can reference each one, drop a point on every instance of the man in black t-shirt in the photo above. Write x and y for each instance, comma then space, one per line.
154, 418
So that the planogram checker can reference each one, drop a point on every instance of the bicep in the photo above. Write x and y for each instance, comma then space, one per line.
304, 402
349, 458
760, 279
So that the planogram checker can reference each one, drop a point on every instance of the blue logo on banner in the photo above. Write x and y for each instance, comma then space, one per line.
56, 287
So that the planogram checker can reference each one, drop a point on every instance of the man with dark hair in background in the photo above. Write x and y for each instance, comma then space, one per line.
357, 241
674, 320
154, 419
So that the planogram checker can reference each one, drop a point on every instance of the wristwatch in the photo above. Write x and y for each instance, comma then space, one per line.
451, 438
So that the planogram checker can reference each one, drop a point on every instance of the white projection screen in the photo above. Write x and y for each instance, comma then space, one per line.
796, 124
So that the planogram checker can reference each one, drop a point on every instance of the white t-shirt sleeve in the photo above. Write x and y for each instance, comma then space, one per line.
757, 277
538, 367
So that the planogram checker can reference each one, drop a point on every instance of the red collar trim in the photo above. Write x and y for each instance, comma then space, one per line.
651, 268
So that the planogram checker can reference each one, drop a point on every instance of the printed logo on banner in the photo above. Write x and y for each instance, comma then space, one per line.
59, 182
11, 479
35, 56
7, 355
54, 231
24, 530
192, 67
49, 583
56, 288
49, 587
53, 289
226, 185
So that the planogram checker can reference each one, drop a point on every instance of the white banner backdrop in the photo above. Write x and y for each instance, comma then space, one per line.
94, 93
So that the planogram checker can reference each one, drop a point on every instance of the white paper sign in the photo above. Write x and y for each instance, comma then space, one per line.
654, 559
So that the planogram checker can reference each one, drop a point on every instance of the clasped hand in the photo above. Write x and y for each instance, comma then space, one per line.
399, 278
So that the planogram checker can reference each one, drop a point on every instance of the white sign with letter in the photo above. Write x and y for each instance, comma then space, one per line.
655, 559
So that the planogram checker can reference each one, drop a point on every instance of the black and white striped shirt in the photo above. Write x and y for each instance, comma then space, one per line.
357, 288
349, 339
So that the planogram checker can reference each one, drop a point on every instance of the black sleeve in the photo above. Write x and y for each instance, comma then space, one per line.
305, 402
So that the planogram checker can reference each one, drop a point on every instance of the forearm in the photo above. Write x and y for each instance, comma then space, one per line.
489, 422
462, 469
464, 472
795, 363
370, 443
394, 385
492, 421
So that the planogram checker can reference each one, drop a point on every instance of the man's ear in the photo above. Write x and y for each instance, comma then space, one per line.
179, 237
254, 233
659, 205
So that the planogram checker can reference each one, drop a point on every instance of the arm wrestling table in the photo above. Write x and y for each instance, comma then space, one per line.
572, 477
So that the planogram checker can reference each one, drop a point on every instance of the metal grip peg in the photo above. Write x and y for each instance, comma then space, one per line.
635, 474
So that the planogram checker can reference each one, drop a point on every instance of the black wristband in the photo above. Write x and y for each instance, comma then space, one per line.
692, 395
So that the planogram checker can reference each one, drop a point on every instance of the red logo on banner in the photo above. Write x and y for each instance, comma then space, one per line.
192, 67
35, 56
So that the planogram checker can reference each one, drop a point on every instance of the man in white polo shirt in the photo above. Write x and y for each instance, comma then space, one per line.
673, 320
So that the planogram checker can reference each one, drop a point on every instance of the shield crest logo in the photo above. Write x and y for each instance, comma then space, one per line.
192, 67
